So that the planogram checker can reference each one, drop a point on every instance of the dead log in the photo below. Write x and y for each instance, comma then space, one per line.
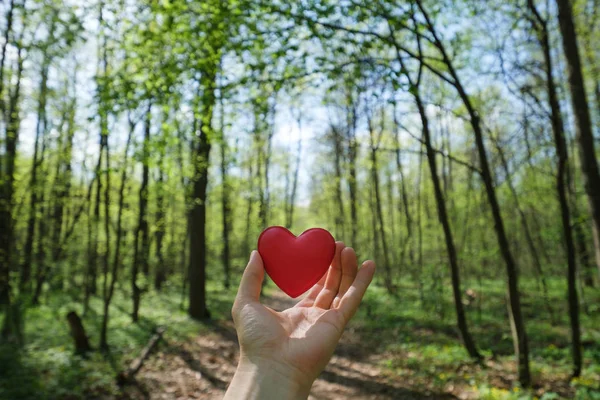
82, 344
127, 376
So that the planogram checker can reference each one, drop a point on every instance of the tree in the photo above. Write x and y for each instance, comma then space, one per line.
415, 88
225, 198
142, 233
291, 201
515, 312
583, 123
375, 143
10, 116
116, 262
7, 192
540, 26
203, 137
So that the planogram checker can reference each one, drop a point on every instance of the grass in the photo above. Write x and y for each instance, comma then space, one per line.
46, 366
418, 343
422, 345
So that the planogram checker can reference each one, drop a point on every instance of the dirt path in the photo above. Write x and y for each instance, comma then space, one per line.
202, 369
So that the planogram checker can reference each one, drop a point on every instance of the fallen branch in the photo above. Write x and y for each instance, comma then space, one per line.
128, 375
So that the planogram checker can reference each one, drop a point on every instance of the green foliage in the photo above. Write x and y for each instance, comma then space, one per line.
47, 368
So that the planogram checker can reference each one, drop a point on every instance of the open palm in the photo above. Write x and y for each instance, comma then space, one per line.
301, 339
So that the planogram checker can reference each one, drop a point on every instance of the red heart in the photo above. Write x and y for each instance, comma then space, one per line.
296, 263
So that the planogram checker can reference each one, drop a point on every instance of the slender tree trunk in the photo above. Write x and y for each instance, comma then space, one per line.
267, 159
91, 287
583, 123
292, 198
6, 41
448, 236
225, 203
140, 255
403, 207
160, 275
528, 236
562, 181
62, 187
116, 262
517, 322
352, 153
461, 318
144, 194
7, 190
249, 208
338, 150
259, 126
353, 188
420, 269
184, 259
106, 255
375, 143
264, 141
40, 251
40, 132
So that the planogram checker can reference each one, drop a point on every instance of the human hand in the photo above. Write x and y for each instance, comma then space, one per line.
282, 353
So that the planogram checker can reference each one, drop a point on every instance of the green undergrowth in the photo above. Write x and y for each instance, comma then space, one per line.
421, 344
45, 367
416, 339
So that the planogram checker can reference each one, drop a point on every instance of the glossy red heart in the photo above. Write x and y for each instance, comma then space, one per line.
296, 263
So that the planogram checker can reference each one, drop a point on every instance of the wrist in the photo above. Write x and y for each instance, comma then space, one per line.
261, 379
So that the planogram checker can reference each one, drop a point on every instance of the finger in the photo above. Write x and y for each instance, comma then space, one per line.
334, 278
349, 269
251, 282
351, 300
313, 293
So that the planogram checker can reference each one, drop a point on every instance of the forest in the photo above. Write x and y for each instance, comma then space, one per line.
145, 144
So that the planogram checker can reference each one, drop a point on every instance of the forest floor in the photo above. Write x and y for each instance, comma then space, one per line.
397, 347
201, 369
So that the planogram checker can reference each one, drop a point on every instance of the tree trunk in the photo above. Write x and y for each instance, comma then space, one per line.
40, 132
375, 143
6, 41
461, 318
403, 207
562, 181
118, 241
266, 112
7, 187
519, 334
200, 155
62, 186
289, 219
92, 273
352, 153
528, 237
249, 208
140, 254
583, 123
419, 270
160, 275
225, 206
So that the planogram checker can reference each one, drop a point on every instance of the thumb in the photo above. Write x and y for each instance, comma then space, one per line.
251, 283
